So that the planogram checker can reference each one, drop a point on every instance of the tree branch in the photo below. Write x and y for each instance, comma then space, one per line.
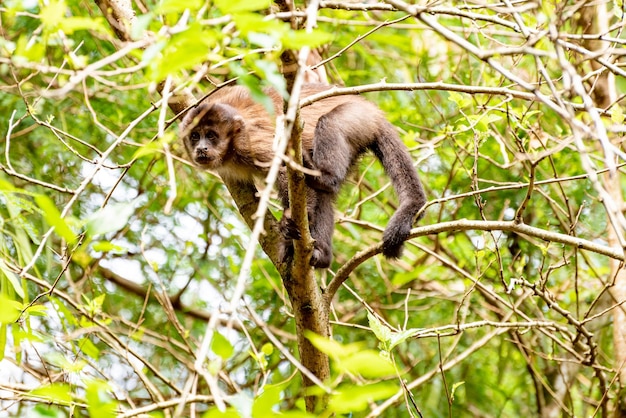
469, 225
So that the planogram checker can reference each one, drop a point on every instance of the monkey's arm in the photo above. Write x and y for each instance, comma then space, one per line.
245, 197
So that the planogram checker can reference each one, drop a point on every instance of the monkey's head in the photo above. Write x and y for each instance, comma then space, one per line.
209, 133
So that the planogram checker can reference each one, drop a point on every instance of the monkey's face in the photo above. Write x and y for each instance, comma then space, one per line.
205, 147
209, 133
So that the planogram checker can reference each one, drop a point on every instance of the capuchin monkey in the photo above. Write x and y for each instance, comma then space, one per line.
232, 134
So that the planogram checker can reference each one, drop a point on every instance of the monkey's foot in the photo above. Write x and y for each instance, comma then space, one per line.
285, 251
289, 228
320, 259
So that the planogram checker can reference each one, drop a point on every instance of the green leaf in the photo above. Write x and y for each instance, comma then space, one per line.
151, 148
352, 358
367, 363
37, 310
267, 349
400, 337
10, 310
252, 84
13, 279
349, 398
177, 6
221, 346
459, 99
6, 186
33, 51
52, 14
20, 335
94, 306
7, 47
617, 115
69, 365
69, 316
141, 25
243, 403
295, 414
230, 412
112, 217
238, 6
3, 340
271, 74
152, 52
331, 347
100, 403
107, 247
298, 39
89, 348
70, 25
389, 339
485, 119
53, 217
265, 402
454, 388
263, 40
46, 411
381, 331
252, 22
183, 51
618, 8
55, 392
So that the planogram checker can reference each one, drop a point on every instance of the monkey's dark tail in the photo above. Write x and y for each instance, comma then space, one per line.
398, 165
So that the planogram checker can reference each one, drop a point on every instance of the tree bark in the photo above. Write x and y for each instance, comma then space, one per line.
594, 19
308, 303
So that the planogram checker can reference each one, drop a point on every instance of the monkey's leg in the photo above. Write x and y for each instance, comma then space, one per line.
321, 224
287, 226
288, 229
332, 155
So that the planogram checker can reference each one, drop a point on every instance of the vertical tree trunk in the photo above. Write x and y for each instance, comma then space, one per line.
595, 20
311, 315
307, 300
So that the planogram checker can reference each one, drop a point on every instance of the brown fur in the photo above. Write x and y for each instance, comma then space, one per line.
233, 134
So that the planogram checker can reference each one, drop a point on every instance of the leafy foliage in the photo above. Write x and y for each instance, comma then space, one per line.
115, 252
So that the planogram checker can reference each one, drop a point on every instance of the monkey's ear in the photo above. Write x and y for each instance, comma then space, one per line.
237, 125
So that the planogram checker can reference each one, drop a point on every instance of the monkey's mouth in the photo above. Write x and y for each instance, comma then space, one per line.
203, 160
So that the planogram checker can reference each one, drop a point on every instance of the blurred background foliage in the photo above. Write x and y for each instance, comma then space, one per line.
85, 327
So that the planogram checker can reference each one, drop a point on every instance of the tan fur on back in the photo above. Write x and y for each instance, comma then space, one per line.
261, 124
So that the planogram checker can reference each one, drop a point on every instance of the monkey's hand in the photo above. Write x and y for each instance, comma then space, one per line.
288, 227
289, 232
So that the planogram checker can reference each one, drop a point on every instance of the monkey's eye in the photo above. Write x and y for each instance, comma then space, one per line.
194, 136
212, 136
